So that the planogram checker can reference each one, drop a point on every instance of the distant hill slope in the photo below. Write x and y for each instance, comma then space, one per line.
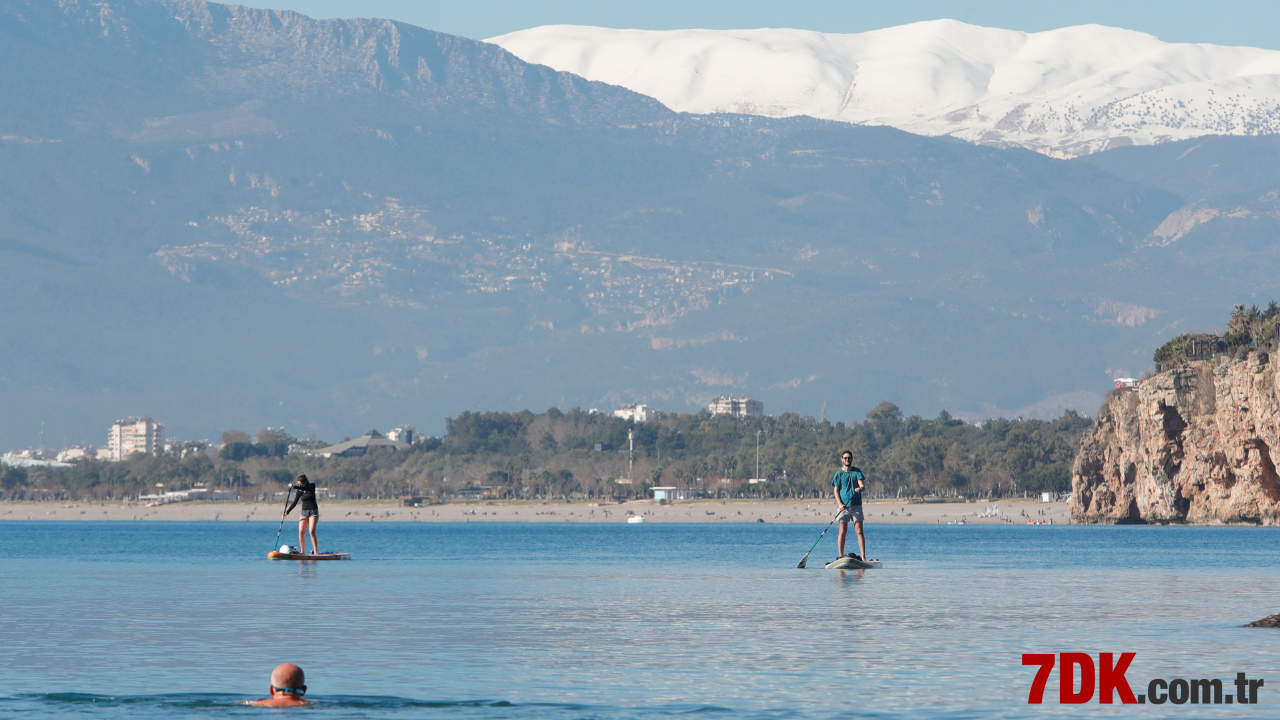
225, 217
158, 59
1074, 90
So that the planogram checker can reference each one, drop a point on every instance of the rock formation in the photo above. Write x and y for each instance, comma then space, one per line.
1270, 621
1195, 444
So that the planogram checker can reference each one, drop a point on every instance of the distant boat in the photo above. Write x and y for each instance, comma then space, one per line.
635, 520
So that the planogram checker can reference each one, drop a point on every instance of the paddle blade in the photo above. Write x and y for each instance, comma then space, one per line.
803, 560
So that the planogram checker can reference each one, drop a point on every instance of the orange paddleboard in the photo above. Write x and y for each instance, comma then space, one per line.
275, 555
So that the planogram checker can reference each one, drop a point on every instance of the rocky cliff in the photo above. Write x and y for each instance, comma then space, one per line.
1196, 444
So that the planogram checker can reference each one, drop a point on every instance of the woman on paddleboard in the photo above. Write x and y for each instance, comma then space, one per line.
304, 491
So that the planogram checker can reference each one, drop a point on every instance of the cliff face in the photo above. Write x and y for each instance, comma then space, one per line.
1198, 444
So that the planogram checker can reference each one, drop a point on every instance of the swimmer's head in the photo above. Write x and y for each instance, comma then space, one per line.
288, 677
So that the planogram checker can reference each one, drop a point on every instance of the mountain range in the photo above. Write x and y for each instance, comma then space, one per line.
225, 217
1068, 92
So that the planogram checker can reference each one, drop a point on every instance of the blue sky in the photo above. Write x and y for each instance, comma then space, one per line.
1244, 22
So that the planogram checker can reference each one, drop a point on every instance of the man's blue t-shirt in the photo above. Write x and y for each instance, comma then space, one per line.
848, 481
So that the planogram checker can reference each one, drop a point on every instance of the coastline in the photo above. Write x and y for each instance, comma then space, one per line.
697, 511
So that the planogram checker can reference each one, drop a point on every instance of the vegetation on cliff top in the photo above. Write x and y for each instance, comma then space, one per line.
1248, 327
554, 455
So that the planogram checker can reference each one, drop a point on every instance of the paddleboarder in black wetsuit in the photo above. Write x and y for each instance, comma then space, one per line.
304, 491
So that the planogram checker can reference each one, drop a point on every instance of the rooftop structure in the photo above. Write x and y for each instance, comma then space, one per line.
736, 406
134, 435
361, 445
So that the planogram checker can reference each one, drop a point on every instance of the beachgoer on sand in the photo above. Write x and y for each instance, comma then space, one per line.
288, 685
847, 486
305, 492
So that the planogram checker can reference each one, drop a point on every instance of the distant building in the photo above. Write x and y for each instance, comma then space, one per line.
134, 435
404, 434
29, 458
78, 452
736, 406
637, 413
361, 445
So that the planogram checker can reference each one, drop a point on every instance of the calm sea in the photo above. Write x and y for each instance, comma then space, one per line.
184, 620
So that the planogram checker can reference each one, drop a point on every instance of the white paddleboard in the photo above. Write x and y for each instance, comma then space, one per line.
848, 563
276, 555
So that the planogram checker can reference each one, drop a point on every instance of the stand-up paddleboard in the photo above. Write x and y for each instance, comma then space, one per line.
848, 563
277, 555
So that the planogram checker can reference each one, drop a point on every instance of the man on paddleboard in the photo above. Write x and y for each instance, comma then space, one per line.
847, 485
288, 685
305, 492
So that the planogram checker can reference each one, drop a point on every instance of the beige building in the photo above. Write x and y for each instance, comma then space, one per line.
134, 435
736, 406
78, 452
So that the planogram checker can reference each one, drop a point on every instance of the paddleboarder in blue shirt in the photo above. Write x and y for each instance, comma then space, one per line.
847, 486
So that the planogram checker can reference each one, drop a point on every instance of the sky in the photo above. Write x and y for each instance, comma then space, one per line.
1239, 22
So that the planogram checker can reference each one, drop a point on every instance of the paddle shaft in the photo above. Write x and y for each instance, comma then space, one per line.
281, 529
805, 559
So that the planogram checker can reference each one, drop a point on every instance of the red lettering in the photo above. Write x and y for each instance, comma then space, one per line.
1045, 661
1067, 680
1112, 678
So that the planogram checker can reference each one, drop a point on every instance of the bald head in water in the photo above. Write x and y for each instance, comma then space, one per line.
288, 683
288, 675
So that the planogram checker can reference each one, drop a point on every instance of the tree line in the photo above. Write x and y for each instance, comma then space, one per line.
580, 454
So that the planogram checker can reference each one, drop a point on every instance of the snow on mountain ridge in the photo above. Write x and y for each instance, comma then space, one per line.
1069, 91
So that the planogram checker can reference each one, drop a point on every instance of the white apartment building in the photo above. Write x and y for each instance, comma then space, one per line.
404, 434
637, 413
736, 406
134, 435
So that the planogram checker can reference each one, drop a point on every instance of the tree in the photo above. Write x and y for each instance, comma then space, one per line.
12, 478
231, 477
241, 451
886, 413
279, 477
235, 436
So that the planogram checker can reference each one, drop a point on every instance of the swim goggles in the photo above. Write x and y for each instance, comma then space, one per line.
300, 690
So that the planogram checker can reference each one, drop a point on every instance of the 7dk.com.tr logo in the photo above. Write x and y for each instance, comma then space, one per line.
1111, 683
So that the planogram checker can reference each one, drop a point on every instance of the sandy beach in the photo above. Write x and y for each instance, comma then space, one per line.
776, 511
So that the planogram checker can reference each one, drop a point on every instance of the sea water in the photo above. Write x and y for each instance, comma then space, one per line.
537, 620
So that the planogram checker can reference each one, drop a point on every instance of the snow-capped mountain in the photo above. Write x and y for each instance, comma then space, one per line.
1070, 91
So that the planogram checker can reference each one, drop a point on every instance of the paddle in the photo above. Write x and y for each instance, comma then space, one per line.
281, 529
805, 559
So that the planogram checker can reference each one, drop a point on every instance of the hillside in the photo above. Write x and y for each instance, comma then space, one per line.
1071, 91
222, 217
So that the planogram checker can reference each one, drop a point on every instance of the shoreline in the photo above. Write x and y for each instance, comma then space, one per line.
1018, 511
